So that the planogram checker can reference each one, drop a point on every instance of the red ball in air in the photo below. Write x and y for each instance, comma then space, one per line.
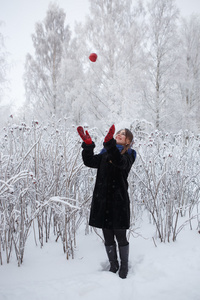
93, 57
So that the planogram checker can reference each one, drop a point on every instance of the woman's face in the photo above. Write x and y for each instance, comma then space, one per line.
120, 137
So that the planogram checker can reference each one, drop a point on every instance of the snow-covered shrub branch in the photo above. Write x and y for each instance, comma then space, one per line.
51, 190
45, 187
167, 179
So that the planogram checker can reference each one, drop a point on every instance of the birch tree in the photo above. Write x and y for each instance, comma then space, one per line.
43, 70
111, 30
4, 82
3, 64
71, 82
160, 61
190, 72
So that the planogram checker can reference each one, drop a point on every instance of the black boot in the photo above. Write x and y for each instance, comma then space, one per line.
123, 253
112, 256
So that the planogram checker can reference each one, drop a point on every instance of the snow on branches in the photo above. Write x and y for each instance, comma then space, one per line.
44, 186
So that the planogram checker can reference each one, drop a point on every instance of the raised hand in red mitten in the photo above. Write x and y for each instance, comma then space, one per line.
110, 134
84, 135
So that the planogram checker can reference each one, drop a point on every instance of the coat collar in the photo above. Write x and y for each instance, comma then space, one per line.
119, 147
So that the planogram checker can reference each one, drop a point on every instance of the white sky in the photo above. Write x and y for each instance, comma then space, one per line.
20, 16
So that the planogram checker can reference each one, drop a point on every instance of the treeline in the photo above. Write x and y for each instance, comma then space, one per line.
148, 66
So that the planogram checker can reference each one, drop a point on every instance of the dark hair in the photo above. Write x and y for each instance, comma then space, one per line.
129, 136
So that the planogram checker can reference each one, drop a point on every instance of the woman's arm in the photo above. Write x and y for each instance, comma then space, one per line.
119, 160
89, 158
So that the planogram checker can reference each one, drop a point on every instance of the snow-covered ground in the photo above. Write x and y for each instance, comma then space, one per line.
168, 271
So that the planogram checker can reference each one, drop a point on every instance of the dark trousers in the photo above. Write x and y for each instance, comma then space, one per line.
111, 234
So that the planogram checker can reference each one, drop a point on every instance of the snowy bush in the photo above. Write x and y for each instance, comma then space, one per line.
51, 190
166, 179
45, 186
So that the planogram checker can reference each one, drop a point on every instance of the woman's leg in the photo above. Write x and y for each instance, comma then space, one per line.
123, 251
121, 237
108, 236
111, 250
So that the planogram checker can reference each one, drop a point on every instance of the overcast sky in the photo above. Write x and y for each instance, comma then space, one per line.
20, 16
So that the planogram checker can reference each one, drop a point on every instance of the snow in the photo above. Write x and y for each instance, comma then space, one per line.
168, 271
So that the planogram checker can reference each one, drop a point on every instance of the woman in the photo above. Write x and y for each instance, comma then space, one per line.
110, 208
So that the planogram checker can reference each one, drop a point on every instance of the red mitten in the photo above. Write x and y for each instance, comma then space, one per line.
85, 136
110, 134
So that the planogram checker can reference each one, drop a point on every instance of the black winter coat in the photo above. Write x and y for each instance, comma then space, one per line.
110, 206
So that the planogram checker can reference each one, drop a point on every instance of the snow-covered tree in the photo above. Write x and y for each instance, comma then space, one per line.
3, 65
160, 62
71, 82
43, 70
190, 72
111, 30
5, 104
